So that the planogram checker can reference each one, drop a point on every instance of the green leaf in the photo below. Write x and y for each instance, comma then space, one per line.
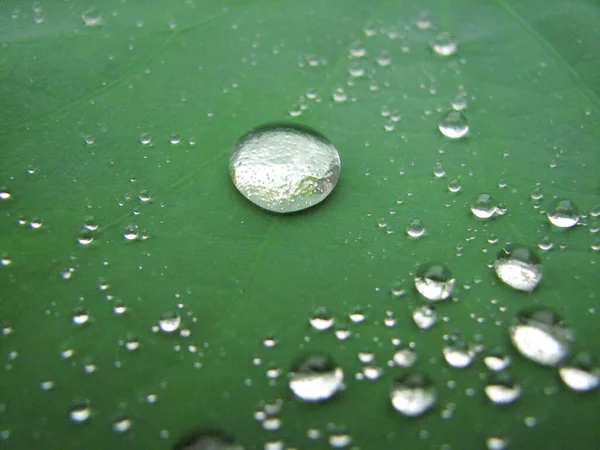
77, 99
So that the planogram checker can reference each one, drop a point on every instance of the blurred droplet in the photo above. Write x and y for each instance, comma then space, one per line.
519, 267
413, 394
453, 124
444, 44
315, 377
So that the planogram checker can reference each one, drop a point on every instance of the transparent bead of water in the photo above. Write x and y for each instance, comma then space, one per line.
497, 362
85, 237
424, 316
563, 213
519, 267
483, 206
444, 44
80, 411
459, 355
496, 443
581, 372
284, 167
315, 377
122, 424
501, 389
454, 185
434, 281
81, 316
415, 228
91, 17
539, 334
169, 322
405, 357
413, 394
321, 319
207, 439
4, 193
453, 124
131, 232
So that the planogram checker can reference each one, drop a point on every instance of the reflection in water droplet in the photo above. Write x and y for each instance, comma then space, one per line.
36, 223
563, 213
284, 167
85, 237
519, 267
145, 138
580, 373
444, 44
413, 394
405, 357
483, 206
92, 17
424, 316
497, 362
208, 439
315, 377
80, 316
321, 319
454, 185
169, 322
434, 281
459, 355
415, 228
540, 335
502, 390
144, 195
4, 193
122, 424
453, 124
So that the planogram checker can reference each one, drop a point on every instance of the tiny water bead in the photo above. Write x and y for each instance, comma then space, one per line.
284, 167
540, 335
483, 206
444, 44
315, 377
563, 213
415, 228
580, 373
453, 124
413, 394
501, 389
434, 281
519, 267
85, 237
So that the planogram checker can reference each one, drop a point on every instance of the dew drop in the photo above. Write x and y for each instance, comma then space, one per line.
540, 335
453, 124
145, 138
502, 390
315, 377
496, 443
580, 373
321, 319
284, 167
405, 357
454, 185
459, 355
4, 193
424, 316
85, 237
92, 17
434, 281
483, 206
563, 213
169, 322
122, 424
81, 316
415, 228
207, 439
497, 362
413, 394
444, 44
80, 411
131, 232
519, 267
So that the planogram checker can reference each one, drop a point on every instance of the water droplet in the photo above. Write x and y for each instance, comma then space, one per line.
540, 335
284, 167
131, 232
357, 315
434, 281
497, 362
545, 243
4, 193
459, 355
80, 411
90, 223
145, 196
131, 343
36, 223
519, 267
483, 206
454, 185
85, 237
444, 44
169, 322
502, 390
145, 138
321, 319
207, 439
415, 228
47, 385
174, 138
405, 357
438, 170
397, 289
424, 316
413, 394
563, 213
92, 17
340, 440
580, 373
315, 377
453, 124
122, 424
496, 443
80, 316
269, 342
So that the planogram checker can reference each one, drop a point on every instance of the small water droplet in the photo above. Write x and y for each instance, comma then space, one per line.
413, 394
454, 185
497, 362
502, 390
415, 228
580, 373
321, 319
131, 232
122, 424
284, 167
315, 377
91, 17
144, 195
453, 124
36, 223
81, 316
169, 322
444, 44
80, 411
405, 357
459, 354
4, 193
519, 267
174, 138
483, 206
424, 316
85, 237
496, 443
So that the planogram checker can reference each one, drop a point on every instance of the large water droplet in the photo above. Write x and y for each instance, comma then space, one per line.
415, 228
519, 267
502, 390
413, 394
563, 213
459, 355
169, 322
434, 281
80, 411
424, 316
209, 439
580, 373
284, 167
315, 377
444, 44
321, 319
453, 124
540, 335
